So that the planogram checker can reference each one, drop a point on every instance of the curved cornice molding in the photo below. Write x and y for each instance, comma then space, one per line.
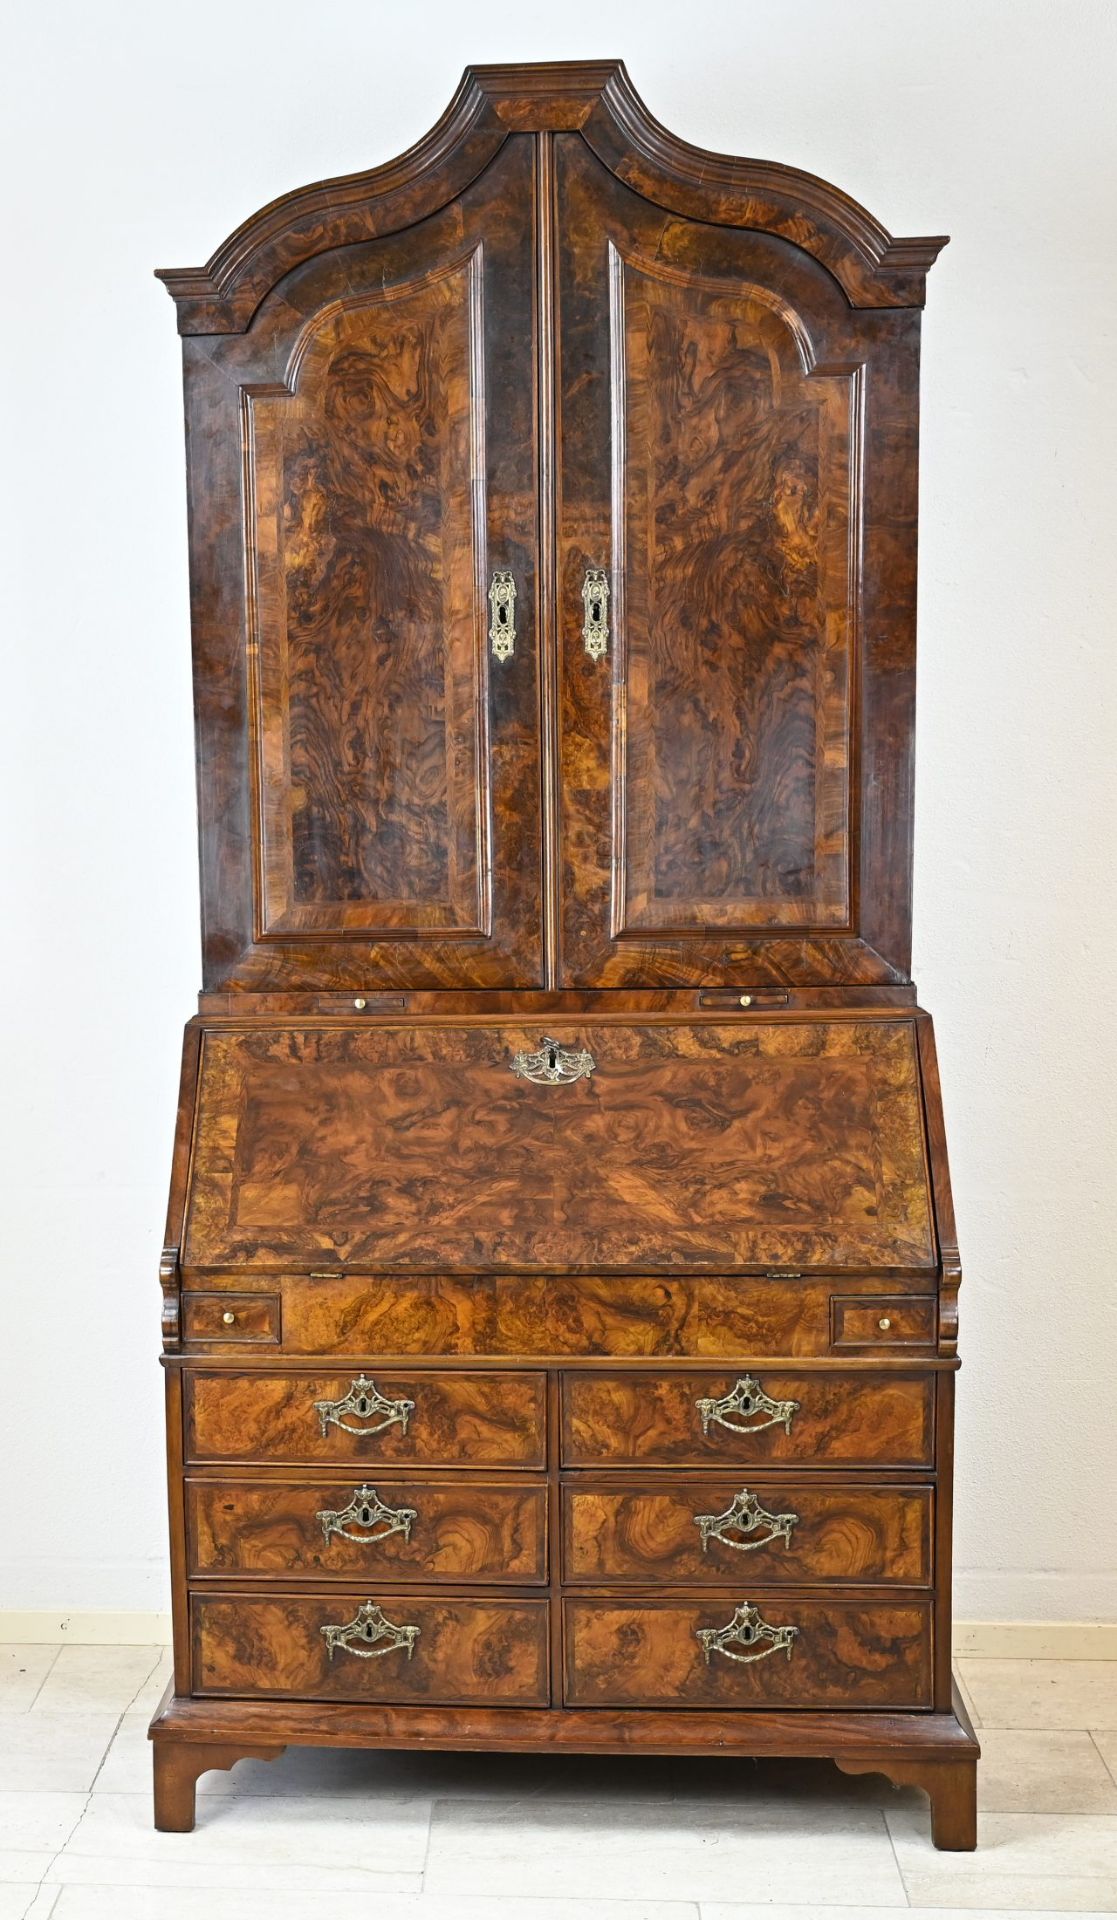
598, 99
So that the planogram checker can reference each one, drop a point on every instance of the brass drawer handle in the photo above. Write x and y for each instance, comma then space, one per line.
365, 1399
367, 1510
370, 1626
553, 1066
595, 601
502, 615
746, 1516
747, 1398
746, 1629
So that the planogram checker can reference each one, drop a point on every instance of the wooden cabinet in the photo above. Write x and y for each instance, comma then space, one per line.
560, 1279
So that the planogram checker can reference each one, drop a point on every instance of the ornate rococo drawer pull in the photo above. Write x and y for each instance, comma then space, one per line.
365, 1399
553, 1066
369, 1635
748, 1398
745, 1515
595, 600
746, 1629
366, 1510
502, 610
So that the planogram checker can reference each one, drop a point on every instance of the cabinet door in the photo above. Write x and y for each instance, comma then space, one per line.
369, 761
722, 819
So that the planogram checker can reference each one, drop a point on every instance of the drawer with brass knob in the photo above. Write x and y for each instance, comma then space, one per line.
248, 1318
478, 1530
883, 1321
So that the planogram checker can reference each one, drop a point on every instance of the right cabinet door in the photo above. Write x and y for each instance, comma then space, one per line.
712, 590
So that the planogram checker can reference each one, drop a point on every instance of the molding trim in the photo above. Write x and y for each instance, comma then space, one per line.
973, 1639
598, 100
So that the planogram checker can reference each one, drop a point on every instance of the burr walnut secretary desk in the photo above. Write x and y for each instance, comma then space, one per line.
560, 1284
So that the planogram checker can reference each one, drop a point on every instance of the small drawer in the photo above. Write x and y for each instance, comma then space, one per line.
394, 1648
883, 1320
695, 1419
309, 1419
239, 1317
399, 1530
736, 1651
682, 1532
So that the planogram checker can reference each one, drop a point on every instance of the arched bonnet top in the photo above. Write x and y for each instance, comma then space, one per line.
597, 100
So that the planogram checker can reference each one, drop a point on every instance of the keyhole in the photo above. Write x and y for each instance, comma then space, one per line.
596, 615
552, 1058
502, 615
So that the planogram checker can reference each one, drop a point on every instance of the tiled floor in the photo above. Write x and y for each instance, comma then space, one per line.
464, 1837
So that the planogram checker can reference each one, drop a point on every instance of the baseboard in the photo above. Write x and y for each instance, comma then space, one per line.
973, 1639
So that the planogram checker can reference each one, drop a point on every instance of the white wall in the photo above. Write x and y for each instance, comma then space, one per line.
139, 136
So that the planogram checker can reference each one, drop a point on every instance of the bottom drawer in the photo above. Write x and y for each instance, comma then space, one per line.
733, 1652
392, 1648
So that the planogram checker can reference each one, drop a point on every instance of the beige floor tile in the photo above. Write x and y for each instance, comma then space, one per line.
37, 1821
716, 1910
632, 1851
1025, 1771
967, 1697
194, 1903
252, 1843
41, 1905
22, 1672
1057, 1860
155, 1686
1076, 1694
52, 1752
1011, 1895
1106, 1744
92, 1679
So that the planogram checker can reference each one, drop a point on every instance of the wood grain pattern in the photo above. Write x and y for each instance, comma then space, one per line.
885, 1322
466, 1532
374, 800
648, 1419
623, 1652
730, 813
478, 1419
568, 1315
647, 1533
467, 1650
690, 1147
254, 1318
370, 780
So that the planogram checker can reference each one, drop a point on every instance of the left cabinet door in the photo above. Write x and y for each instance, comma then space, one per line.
362, 466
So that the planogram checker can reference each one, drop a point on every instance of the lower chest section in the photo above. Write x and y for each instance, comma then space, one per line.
751, 1532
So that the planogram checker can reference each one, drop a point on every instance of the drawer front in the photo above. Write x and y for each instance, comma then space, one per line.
619, 1316
397, 1529
877, 1323
718, 1532
452, 1651
691, 1419
447, 1420
840, 1654
236, 1317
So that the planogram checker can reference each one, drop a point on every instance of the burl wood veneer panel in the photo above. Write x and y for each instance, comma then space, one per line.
649, 1533
646, 1653
691, 1146
459, 1419
649, 1419
467, 1531
556, 1314
466, 1651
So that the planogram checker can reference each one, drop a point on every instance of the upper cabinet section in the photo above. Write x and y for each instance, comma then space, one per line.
553, 511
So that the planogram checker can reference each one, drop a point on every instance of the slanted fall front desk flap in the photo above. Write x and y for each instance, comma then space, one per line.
515, 1147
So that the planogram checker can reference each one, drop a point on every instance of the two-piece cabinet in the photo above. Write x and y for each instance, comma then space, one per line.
560, 1281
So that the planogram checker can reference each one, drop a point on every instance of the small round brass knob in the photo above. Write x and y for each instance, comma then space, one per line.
745, 1000
360, 1005
884, 1323
230, 1319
